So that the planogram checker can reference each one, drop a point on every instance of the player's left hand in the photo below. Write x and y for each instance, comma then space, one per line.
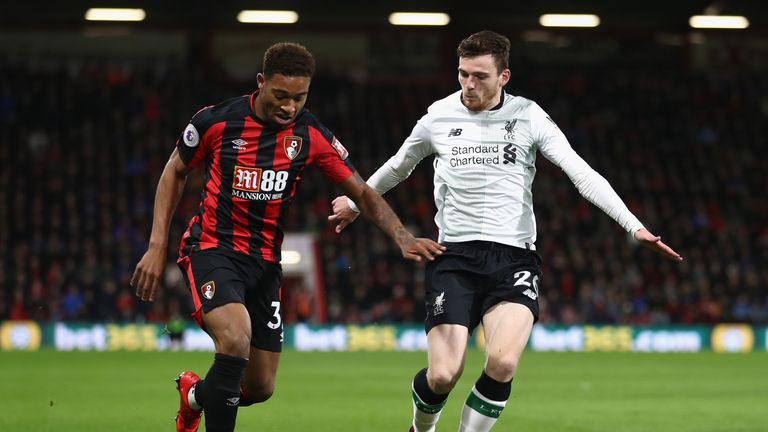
654, 242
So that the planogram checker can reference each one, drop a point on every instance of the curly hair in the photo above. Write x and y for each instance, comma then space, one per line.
486, 42
289, 59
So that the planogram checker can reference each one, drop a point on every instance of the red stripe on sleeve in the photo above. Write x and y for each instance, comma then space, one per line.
322, 154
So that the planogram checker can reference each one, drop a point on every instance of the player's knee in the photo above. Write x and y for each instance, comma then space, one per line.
234, 342
502, 368
443, 379
257, 392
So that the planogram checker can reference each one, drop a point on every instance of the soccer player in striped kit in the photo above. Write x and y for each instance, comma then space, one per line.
484, 142
254, 149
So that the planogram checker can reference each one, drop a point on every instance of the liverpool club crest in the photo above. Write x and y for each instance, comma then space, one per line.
292, 146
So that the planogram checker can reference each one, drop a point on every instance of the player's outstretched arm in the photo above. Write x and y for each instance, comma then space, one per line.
343, 214
377, 211
654, 242
146, 277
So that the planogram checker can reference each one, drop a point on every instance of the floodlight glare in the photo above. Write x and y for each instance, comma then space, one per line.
114, 14
419, 18
569, 20
719, 21
290, 257
268, 16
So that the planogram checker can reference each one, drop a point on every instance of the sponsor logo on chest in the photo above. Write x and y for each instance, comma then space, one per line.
258, 184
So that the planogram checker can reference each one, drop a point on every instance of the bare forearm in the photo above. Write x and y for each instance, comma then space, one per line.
169, 191
377, 211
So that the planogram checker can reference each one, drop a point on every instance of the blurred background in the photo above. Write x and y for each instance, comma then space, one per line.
675, 117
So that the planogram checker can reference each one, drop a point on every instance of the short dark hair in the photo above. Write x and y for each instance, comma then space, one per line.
486, 42
289, 59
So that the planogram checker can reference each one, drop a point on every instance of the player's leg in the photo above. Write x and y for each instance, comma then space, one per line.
258, 383
507, 329
219, 393
453, 307
446, 352
218, 292
262, 300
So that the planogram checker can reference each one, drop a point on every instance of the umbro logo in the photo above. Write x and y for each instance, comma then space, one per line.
454, 132
239, 144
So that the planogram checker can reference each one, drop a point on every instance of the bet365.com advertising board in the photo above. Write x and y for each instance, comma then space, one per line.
64, 336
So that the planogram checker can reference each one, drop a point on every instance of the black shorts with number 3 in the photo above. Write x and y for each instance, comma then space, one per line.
216, 278
471, 277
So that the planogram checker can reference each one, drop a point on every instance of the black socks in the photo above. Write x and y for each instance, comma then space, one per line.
219, 393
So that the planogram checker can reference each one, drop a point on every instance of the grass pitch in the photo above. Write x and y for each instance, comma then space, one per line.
339, 392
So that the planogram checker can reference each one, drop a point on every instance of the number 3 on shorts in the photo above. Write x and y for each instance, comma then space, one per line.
276, 325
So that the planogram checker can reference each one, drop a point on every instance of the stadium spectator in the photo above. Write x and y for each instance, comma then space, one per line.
705, 128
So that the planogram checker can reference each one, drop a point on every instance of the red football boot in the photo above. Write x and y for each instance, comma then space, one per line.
187, 419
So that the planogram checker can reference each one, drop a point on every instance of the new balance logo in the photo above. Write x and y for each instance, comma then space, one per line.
510, 154
530, 293
239, 144
454, 132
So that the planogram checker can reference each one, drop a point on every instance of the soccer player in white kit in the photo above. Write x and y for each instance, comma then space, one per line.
485, 142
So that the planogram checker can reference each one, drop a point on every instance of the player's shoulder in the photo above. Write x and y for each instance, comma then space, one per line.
309, 120
519, 103
233, 108
447, 105
236, 107
305, 117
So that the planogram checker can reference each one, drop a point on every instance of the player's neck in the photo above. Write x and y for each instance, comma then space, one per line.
256, 108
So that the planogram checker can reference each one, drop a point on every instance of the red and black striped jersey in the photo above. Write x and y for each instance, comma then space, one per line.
251, 173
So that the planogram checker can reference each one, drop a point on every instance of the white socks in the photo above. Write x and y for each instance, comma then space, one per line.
479, 413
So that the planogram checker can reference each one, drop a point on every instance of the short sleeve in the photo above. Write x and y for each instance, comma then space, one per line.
328, 154
194, 144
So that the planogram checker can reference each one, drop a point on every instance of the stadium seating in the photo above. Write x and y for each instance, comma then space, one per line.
84, 143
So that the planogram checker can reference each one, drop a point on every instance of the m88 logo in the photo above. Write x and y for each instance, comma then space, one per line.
250, 179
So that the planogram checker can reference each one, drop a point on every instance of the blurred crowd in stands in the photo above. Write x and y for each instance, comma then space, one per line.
83, 144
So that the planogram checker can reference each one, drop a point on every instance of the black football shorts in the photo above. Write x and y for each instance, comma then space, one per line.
216, 278
469, 278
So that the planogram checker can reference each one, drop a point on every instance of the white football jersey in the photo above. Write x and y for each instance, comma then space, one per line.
485, 166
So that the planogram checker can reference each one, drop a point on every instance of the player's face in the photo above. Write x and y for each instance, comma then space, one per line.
281, 98
481, 82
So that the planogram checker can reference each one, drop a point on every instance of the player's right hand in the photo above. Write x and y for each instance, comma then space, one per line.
416, 248
146, 277
342, 215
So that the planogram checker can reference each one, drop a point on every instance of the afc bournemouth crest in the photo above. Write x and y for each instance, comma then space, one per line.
208, 289
292, 146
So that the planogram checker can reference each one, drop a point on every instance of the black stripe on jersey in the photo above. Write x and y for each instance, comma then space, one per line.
227, 160
265, 156
297, 166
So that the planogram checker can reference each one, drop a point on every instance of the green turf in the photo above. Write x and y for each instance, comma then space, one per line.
554, 392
